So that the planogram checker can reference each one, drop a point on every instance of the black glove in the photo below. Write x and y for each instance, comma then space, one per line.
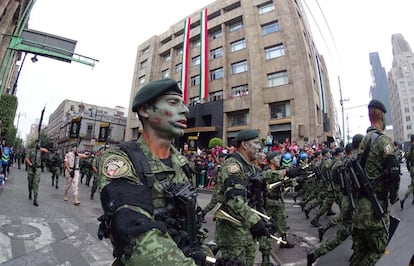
272, 226
259, 229
294, 172
229, 261
197, 254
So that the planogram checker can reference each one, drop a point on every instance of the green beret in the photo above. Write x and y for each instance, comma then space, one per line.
246, 134
338, 151
272, 155
377, 104
154, 89
325, 151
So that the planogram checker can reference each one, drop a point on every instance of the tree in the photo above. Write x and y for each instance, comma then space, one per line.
8, 107
214, 142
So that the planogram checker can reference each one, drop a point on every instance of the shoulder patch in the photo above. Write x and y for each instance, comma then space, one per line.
233, 168
115, 166
388, 149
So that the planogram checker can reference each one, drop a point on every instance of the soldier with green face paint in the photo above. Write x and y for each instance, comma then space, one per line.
138, 238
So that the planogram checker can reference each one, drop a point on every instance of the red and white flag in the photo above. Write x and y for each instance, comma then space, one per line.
204, 73
186, 53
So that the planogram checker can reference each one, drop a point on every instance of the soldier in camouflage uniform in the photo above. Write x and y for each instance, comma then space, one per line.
162, 112
34, 161
235, 176
95, 171
382, 169
275, 205
55, 168
410, 165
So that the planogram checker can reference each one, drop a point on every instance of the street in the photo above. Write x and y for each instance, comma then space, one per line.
60, 233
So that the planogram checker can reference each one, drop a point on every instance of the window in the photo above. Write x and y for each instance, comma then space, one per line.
195, 60
166, 57
238, 45
236, 26
232, 7
275, 51
270, 27
216, 34
239, 67
280, 110
134, 133
195, 43
215, 96
143, 64
216, 53
407, 118
179, 51
165, 73
216, 74
277, 79
89, 131
406, 109
266, 7
409, 127
239, 91
141, 79
238, 118
194, 101
195, 80
178, 67
145, 50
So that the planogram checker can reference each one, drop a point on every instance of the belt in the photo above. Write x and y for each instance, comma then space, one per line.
74, 169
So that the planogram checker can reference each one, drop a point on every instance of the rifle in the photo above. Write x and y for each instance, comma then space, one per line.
331, 182
37, 145
359, 175
346, 186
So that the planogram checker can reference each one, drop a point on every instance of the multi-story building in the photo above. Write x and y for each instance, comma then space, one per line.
401, 85
379, 88
11, 12
98, 125
264, 72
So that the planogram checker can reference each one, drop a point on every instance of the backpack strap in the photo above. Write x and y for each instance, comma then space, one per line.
374, 137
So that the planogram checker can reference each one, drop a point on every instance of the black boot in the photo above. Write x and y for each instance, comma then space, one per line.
57, 186
30, 195
266, 260
288, 244
35, 201
91, 196
53, 181
321, 232
402, 204
307, 213
311, 258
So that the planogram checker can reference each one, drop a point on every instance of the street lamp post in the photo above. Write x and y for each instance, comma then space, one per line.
341, 101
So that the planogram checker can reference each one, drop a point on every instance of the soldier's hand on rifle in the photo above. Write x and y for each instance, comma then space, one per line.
295, 171
272, 226
259, 229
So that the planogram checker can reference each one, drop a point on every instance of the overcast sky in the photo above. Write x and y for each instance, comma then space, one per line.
111, 32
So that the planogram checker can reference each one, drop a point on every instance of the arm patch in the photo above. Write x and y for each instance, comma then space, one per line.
115, 166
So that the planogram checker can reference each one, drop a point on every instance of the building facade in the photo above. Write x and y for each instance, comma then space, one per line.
264, 73
379, 88
98, 126
10, 13
401, 85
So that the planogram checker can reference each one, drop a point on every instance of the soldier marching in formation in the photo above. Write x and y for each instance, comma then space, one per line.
409, 158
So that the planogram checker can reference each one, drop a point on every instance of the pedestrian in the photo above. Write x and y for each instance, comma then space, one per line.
34, 161
381, 167
162, 112
410, 165
5, 158
55, 166
71, 164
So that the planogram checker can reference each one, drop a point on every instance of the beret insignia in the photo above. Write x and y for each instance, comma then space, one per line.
115, 167
233, 168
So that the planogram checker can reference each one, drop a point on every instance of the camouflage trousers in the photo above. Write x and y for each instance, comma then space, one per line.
276, 210
368, 245
33, 180
94, 184
55, 174
410, 189
326, 205
344, 231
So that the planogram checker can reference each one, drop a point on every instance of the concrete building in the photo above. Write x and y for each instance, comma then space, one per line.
96, 122
10, 13
401, 85
265, 73
379, 88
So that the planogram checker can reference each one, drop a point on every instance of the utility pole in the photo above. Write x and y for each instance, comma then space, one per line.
341, 101
18, 120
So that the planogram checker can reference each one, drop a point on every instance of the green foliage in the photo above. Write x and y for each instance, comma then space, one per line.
44, 140
8, 107
214, 142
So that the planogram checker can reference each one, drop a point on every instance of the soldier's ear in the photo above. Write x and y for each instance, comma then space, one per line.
142, 111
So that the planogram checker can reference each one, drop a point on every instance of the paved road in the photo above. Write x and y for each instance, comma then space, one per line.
59, 233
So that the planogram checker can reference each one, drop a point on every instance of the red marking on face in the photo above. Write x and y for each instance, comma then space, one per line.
157, 121
168, 113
